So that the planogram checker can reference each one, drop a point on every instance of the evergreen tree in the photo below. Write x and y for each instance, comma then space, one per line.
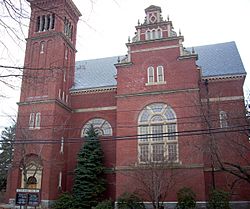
89, 181
7, 137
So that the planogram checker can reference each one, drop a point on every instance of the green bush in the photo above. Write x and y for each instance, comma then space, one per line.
106, 204
129, 201
186, 199
65, 201
218, 199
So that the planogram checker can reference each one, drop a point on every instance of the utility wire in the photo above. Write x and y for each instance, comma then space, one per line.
194, 132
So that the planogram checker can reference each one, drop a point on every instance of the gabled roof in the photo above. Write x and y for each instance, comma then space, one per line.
215, 60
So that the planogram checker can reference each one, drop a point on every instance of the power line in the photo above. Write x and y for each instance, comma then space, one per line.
194, 132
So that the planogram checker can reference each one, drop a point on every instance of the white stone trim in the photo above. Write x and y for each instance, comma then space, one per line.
155, 83
95, 109
155, 48
222, 99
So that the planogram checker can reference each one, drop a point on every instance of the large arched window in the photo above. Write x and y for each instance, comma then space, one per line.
101, 126
157, 129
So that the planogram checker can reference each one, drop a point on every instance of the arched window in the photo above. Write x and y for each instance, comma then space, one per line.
223, 119
154, 34
101, 126
151, 74
160, 74
38, 120
42, 46
32, 120
148, 33
159, 33
157, 129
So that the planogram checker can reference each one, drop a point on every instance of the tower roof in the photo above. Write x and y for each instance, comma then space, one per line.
152, 8
70, 3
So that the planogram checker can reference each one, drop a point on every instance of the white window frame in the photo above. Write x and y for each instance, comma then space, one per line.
32, 120
160, 72
38, 120
151, 74
153, 34
159, 33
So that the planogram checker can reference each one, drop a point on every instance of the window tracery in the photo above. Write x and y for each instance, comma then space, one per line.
101, 126
157, 129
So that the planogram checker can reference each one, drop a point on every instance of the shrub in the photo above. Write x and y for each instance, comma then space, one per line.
106, 204
129, 201
186, 199
65, 201
218, 199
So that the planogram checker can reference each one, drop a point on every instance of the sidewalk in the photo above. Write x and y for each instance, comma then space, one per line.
3, 206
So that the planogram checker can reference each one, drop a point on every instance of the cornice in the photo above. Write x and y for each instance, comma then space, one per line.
155, 40
50, 34
93, 90
153, 24
224, 77
75, 9
182, 57
123, 64
70, 3
47, 101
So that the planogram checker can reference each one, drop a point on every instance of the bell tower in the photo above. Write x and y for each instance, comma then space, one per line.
50, 51
45, 105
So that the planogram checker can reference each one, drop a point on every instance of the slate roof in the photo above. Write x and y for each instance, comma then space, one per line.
215, 60
95, 73
219, 60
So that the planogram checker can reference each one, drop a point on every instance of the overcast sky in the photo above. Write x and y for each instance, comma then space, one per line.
201, 22
105, 26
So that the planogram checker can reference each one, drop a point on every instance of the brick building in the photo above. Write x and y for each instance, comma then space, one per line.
161, 104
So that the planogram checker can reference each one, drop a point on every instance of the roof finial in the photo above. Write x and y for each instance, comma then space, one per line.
138, 22
118, 59
193, 52
179, 32
168, 18
129, 39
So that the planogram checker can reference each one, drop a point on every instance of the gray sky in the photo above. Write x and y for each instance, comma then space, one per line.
105, 26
